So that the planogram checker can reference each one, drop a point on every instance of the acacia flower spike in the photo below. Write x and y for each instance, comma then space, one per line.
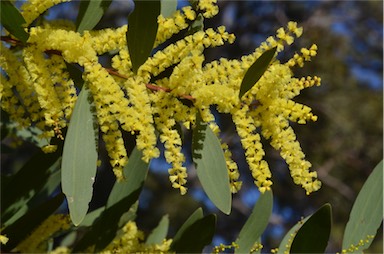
37, 90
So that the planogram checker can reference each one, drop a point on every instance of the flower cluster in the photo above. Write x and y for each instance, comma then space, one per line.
37, 90
131, 241
38, 240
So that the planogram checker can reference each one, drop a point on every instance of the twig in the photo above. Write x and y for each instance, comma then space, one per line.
150, 86
9, 39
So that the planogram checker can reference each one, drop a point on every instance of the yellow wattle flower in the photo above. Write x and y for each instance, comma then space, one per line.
145, 104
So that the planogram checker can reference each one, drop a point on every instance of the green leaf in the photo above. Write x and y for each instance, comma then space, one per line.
12, 20
313, 236
160, 232
256, 223
195, 235
142, 30
21, 228
90, 13
211, 166
51, 184
256, 71
135, 173
39, 168
44, 194
68, 239
198, 214
285, 244
367, 212
90, 217
168, 7
79, 163
121, 205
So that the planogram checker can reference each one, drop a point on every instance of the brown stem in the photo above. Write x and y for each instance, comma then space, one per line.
115, 73
9, 39
149, 86
53, 52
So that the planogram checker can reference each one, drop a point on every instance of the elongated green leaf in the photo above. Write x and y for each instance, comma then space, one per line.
195, 236
90, 217
285, 244
121, 205
168, 7
198, 214
12, 20
256, 223
135, 173
68, 239
39, 168
22, 206
313, 236
211, 166
256, 71
50, 185
160, 232
90, 13
142, 30
21, 228
367, 212
79, 163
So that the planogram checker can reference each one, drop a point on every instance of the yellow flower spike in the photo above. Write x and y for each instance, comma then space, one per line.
32, 9
189, 13
64, 86
23, 108
174, 24
74, 48
132, 241
306, 55
174, 53
40, 70
122, 62
18, 76
282, 35
3, 239
209, 8
139, 117
36, 241
124, 102
111, 106
253, 148
49, 148
106, 40
233, 170
114, 145
188, 73
171, 139
292, 27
